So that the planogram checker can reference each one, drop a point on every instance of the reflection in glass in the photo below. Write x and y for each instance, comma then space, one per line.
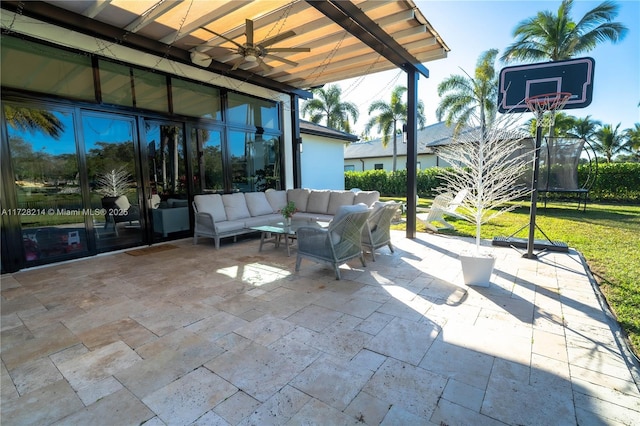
151, 90
254, 161
207, 162
252, 111
195, 100
45, 166
109, 145
167, 197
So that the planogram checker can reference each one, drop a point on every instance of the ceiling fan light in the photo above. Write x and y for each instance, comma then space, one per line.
202, 59
251, 58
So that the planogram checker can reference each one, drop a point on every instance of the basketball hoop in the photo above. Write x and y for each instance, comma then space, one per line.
552, 102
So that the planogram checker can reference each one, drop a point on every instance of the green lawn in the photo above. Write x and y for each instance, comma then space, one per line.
607, 235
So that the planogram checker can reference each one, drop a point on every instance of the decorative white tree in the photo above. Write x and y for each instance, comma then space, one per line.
490, 164
113, 183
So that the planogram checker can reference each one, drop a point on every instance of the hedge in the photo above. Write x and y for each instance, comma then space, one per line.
614, 182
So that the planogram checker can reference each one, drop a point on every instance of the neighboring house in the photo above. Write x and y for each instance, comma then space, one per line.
371, 155
321, 156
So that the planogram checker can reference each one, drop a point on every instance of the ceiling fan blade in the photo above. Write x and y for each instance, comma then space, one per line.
277, 38
283, 60
237, 64
265, 67
249, 31
289, 49
221, 36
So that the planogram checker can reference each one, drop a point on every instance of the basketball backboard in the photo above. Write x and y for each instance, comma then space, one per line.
520, 82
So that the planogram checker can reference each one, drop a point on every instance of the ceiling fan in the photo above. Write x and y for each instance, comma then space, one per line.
255, 52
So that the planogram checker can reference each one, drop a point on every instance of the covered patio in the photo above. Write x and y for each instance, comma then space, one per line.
185, 334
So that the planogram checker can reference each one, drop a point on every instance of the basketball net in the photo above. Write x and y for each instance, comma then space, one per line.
547, 102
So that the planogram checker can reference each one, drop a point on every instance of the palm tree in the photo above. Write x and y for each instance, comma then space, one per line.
609, 141
390, 115
585, 128
633, 139
32, 120
328, 106
555, 37
464, 95
564, 124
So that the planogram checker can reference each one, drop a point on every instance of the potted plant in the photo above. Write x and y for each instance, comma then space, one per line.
288, 211
113, 186
489, 163
113, 183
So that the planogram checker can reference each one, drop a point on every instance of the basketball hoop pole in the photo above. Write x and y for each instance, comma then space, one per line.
534, 191
539, 104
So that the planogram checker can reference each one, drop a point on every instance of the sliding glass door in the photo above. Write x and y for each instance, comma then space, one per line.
110, 147
166, 194
47, 182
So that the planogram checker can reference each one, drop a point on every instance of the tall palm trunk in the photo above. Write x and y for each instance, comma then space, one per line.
395, 147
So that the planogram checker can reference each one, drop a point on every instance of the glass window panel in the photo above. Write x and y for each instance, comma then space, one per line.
115, 84
266, 162
150, 90
268, 115
254, 161
111, 166
167, 199
167, 169
195, 100
252, 112
240, 147
38, 68
45, 164
207, 163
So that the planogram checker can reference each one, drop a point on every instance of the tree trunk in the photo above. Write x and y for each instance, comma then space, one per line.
395, 146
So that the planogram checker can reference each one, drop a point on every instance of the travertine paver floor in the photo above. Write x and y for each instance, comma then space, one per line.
197, 336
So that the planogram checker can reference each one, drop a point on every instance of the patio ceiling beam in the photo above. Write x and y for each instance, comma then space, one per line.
357, 23
46, 12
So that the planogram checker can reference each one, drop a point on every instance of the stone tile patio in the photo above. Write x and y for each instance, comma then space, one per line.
195, 336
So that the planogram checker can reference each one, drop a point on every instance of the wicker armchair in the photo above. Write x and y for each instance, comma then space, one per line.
338, 243
377, 232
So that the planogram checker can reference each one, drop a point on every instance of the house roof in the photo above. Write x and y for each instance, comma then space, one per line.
319, 130
346, 38
429, 138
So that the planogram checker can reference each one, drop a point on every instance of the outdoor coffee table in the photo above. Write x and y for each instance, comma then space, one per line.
273, 233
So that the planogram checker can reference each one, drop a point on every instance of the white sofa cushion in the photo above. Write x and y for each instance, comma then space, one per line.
366, 197
299, 196
339, 198
277, 200
212, 204
257, 203
235, 206
318, 202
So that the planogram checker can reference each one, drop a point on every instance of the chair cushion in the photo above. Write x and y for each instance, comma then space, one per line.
340, 198
154, 201
300, 197
122, 202
341, 213
277, 200
211, 204
366, 197
318, 201
235, 206
257, 203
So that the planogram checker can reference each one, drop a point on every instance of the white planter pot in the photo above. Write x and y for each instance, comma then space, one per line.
477, 269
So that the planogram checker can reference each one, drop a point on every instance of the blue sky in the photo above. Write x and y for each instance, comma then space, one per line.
472, 27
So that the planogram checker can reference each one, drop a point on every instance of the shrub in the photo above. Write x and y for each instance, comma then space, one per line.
614, 182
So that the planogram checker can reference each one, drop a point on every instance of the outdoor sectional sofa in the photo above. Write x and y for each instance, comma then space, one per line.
228, 215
